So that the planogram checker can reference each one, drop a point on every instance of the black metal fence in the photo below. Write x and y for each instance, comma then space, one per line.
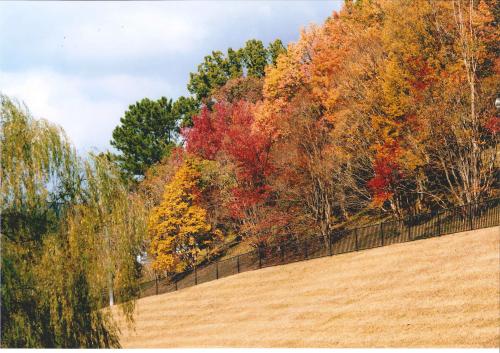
473, 216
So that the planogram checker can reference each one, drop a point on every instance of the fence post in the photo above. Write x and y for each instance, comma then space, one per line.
409, 227
282, 246
382, 233
330, 243
156, 282
356, 238
439, 223
217, 270
305, 248
260, 256
195, 276
238, 262
470, 216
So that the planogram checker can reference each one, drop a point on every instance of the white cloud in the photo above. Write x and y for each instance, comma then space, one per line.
88, 108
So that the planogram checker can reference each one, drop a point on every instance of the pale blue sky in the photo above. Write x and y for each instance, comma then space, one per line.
81, 64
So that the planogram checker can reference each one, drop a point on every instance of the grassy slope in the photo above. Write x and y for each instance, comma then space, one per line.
435, 292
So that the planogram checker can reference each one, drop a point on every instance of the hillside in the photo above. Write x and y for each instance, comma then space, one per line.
439, 292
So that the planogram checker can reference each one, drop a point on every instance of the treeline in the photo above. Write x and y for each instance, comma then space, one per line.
149, 129
386, 108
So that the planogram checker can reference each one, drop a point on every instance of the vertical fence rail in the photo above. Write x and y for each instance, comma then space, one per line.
408, 224
439, 223
452, 220
382, 234
470, 217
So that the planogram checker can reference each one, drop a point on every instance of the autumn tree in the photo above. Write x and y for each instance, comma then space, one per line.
314, 178
437, 95
383, 108
152, 187
372, 84
240, 89
178, 228
462, 147
225, 135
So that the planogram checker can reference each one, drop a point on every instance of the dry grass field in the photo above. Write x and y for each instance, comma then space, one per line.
439, 292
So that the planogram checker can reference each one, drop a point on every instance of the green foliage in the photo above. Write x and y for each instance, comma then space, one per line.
274, 50
146, 133
184, 109
217, 68
255, 58
34, 153
214, 72
55, 257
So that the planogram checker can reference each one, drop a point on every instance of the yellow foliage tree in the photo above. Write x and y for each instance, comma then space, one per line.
178, 227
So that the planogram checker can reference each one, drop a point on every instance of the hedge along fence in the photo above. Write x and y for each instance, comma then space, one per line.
458, 219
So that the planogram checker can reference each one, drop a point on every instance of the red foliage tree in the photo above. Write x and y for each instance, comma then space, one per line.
226, 132
387, 172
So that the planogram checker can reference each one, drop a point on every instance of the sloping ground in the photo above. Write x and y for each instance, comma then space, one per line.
439, 292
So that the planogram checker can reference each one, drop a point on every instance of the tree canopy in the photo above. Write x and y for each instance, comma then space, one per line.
71, 233
178, 226
146, 133
218, 68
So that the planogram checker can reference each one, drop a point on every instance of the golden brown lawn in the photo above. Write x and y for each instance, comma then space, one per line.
440, 292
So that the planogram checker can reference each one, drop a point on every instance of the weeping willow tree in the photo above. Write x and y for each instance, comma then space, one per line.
70, 233
111, 222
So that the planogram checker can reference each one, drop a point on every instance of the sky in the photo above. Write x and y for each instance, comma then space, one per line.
81, 64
